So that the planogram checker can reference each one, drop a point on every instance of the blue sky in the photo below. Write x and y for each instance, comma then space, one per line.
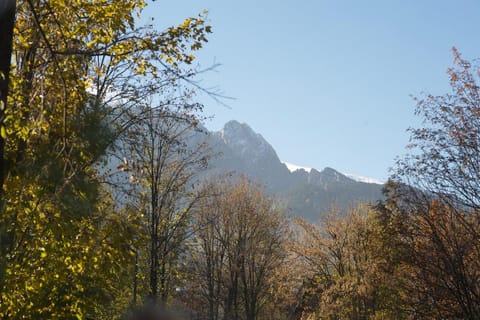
328, 83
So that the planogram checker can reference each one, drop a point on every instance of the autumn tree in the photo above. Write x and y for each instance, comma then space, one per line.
446, 150
347, 272
438, 260
75, 65
434, 200
235, 252
161, 161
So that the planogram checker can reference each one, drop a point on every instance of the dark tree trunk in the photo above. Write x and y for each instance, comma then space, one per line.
7, 19
135, 279
153, 260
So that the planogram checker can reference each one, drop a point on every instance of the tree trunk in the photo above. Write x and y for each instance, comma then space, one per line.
7, 19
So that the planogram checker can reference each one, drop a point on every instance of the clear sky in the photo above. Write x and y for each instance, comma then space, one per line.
328, 83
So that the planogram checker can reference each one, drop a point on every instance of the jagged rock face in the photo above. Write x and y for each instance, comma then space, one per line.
247, 144
241, 151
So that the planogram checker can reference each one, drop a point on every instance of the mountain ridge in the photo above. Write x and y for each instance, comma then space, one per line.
307, 193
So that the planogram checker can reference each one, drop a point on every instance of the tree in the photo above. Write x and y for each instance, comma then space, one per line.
347, 270
162, 160
237, 249
446, 151
74, 64
434, 201
439, 261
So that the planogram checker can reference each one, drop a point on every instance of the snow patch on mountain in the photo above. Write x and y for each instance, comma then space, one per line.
363, 179
293, 167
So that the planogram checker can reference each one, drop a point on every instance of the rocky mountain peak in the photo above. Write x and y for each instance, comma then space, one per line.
245, 142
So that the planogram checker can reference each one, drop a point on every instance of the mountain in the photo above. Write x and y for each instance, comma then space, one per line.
308, 193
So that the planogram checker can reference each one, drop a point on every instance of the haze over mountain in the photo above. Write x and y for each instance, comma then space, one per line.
307, 192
